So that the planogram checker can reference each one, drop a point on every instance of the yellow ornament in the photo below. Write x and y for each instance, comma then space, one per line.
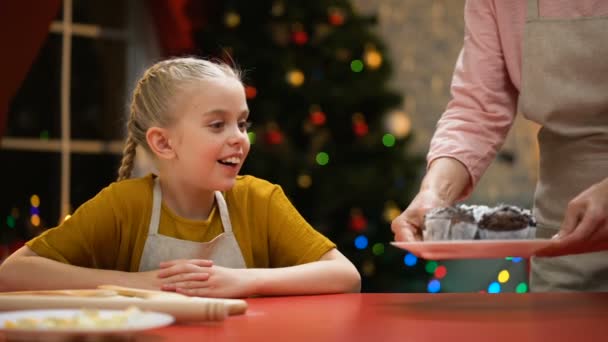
232, 19
295, 78
373, 59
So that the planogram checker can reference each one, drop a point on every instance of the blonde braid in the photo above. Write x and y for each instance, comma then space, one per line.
128, 157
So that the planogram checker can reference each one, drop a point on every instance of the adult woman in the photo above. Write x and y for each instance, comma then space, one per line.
547, 60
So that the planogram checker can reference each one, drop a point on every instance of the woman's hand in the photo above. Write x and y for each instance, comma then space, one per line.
444, 183
408, 226
201, 278
585, 225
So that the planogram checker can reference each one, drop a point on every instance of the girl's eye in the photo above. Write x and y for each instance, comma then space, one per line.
217, 125
244, 125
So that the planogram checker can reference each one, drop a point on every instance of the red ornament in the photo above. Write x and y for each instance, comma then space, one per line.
299, 37
336, 19
274, 137
360, 128
250, 92
317, 118
358, 222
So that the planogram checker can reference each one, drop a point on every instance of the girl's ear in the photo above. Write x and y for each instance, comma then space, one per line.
158, 140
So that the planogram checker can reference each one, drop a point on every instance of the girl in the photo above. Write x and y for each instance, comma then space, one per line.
197, 228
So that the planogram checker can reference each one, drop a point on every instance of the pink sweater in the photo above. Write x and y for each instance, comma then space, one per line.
487, 78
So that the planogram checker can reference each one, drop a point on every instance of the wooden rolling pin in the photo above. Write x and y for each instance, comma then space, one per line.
235, 306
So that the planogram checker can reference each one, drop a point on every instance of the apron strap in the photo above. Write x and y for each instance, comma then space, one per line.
156, 200
533, 12
224, 216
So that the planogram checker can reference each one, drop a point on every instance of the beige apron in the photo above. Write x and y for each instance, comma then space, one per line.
565, 90
223, 249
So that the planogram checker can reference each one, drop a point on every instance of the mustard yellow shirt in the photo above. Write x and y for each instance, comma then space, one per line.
109, 231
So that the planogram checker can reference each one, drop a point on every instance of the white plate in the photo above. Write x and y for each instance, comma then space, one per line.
139, 321
474, 249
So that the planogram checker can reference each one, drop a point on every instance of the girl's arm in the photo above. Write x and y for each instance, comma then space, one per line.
332, 273
25, 270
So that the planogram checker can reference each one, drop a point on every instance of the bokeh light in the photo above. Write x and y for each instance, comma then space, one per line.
35, 201
410, 259
35, 220
378, 249
398, 123
521, 288
232, 19
388, 140
361, 242
430, 267
10, 221
304, 181
494, 288
440, 272
434, 286
295, 78
356, 65
322, 158
373, 59
503, 276
251, 136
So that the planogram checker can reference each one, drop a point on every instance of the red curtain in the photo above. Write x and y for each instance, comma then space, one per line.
176, 21
24, 26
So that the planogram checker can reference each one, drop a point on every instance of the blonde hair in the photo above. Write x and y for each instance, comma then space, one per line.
155, 94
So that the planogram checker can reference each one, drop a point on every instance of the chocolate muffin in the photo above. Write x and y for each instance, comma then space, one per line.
506, 222
449, 223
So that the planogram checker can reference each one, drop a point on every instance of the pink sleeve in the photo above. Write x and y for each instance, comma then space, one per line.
482, 109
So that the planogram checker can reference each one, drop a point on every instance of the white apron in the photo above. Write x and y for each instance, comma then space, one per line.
223, 249
565, 90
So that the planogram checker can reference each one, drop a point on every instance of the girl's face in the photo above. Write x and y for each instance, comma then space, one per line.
210, 136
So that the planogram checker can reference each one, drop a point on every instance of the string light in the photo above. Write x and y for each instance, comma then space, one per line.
335, 16
359, 125
322, 158
398, 123
356, 65
494, 288
10, 221
433, 286
299, 37
391, 211
368, 268
378, 249
278, 8
232, 19
521, 288
295, 78
252, 137
317, 118
361, 242
388, 140
430, 267
358, 222
304, 181
410, 259
35, 201
372, 58
250, 92
440, 272
503, 276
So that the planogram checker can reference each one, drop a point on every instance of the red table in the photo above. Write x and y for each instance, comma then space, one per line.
408, 317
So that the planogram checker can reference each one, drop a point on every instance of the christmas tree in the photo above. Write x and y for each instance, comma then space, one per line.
326, 125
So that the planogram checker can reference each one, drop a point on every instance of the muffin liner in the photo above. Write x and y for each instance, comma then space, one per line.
436, 229
487, 234
463, 231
